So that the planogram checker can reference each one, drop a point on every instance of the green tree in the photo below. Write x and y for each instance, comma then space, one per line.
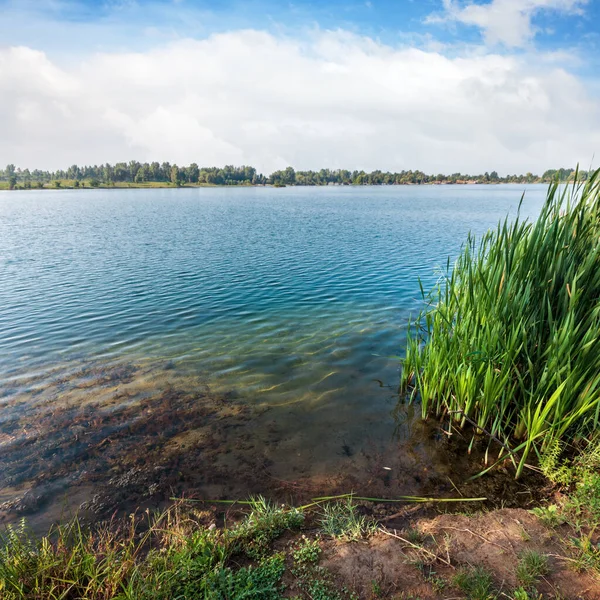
177, 175
142, 174
193, 173
289, 176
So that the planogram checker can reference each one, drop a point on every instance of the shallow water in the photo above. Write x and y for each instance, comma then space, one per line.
247, 335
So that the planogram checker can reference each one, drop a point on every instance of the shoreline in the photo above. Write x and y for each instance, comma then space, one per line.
160, 185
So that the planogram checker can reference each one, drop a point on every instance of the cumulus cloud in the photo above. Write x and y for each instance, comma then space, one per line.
336, 100
504, 21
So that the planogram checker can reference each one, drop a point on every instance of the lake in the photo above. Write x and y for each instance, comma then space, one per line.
219, 342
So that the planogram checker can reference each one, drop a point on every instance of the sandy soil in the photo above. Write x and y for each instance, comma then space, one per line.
386, 566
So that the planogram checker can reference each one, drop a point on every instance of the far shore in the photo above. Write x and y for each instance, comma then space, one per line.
69, 185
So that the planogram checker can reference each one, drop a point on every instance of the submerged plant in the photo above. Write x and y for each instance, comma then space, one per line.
509, 341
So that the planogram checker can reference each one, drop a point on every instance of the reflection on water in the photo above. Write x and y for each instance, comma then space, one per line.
217, 342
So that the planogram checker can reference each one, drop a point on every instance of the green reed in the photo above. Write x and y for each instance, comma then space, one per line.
508, 343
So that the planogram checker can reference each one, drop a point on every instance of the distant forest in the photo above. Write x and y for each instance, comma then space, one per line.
165, 173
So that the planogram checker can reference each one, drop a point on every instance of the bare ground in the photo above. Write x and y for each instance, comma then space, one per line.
390, 565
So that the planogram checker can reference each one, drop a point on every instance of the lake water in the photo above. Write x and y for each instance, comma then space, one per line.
218, 341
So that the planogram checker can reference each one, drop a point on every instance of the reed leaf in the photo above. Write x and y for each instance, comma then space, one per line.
508, 341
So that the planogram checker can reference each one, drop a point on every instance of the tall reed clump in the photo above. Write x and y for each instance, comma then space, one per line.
509, 341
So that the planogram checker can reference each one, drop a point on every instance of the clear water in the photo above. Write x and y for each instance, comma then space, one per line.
292, 302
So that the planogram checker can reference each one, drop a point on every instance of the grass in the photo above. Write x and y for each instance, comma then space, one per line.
507, 345
171, 557
263, 555
476, 583
341, 520
531, 567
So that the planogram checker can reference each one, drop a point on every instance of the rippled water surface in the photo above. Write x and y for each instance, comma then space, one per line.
247, 335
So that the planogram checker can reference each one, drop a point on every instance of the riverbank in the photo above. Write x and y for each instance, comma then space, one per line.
344, 549
66, 184
86, 185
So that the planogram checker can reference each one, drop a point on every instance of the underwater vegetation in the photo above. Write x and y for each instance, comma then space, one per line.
508, 343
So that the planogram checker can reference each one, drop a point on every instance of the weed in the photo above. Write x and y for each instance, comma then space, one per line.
587, 553
341, 520
306, 551
318, 585
582, 506
431, 577
67, 563
549, 515
476, 583
524, 534
523, 594
172, 558
532, 565
265, 522
414, 536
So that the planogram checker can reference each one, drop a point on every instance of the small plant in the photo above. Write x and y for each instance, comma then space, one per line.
431, 577
555, 469
307, 551
265, 522
531, 567
322, 588
476, 583
583, 504
414, 536
341, 520
524, 534
549, 515
523, 594
587, 553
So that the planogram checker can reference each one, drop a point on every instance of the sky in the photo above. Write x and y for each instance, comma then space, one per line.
437, 85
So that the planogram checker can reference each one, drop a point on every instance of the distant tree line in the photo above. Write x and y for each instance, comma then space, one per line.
135, 172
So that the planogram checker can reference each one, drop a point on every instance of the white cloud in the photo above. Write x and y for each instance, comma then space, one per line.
334, 100
504, 21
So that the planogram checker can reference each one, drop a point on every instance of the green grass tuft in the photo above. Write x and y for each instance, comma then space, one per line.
532, 565
341, 520
476, 583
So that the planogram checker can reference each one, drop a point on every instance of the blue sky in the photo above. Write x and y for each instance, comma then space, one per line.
137, 23
440, 85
